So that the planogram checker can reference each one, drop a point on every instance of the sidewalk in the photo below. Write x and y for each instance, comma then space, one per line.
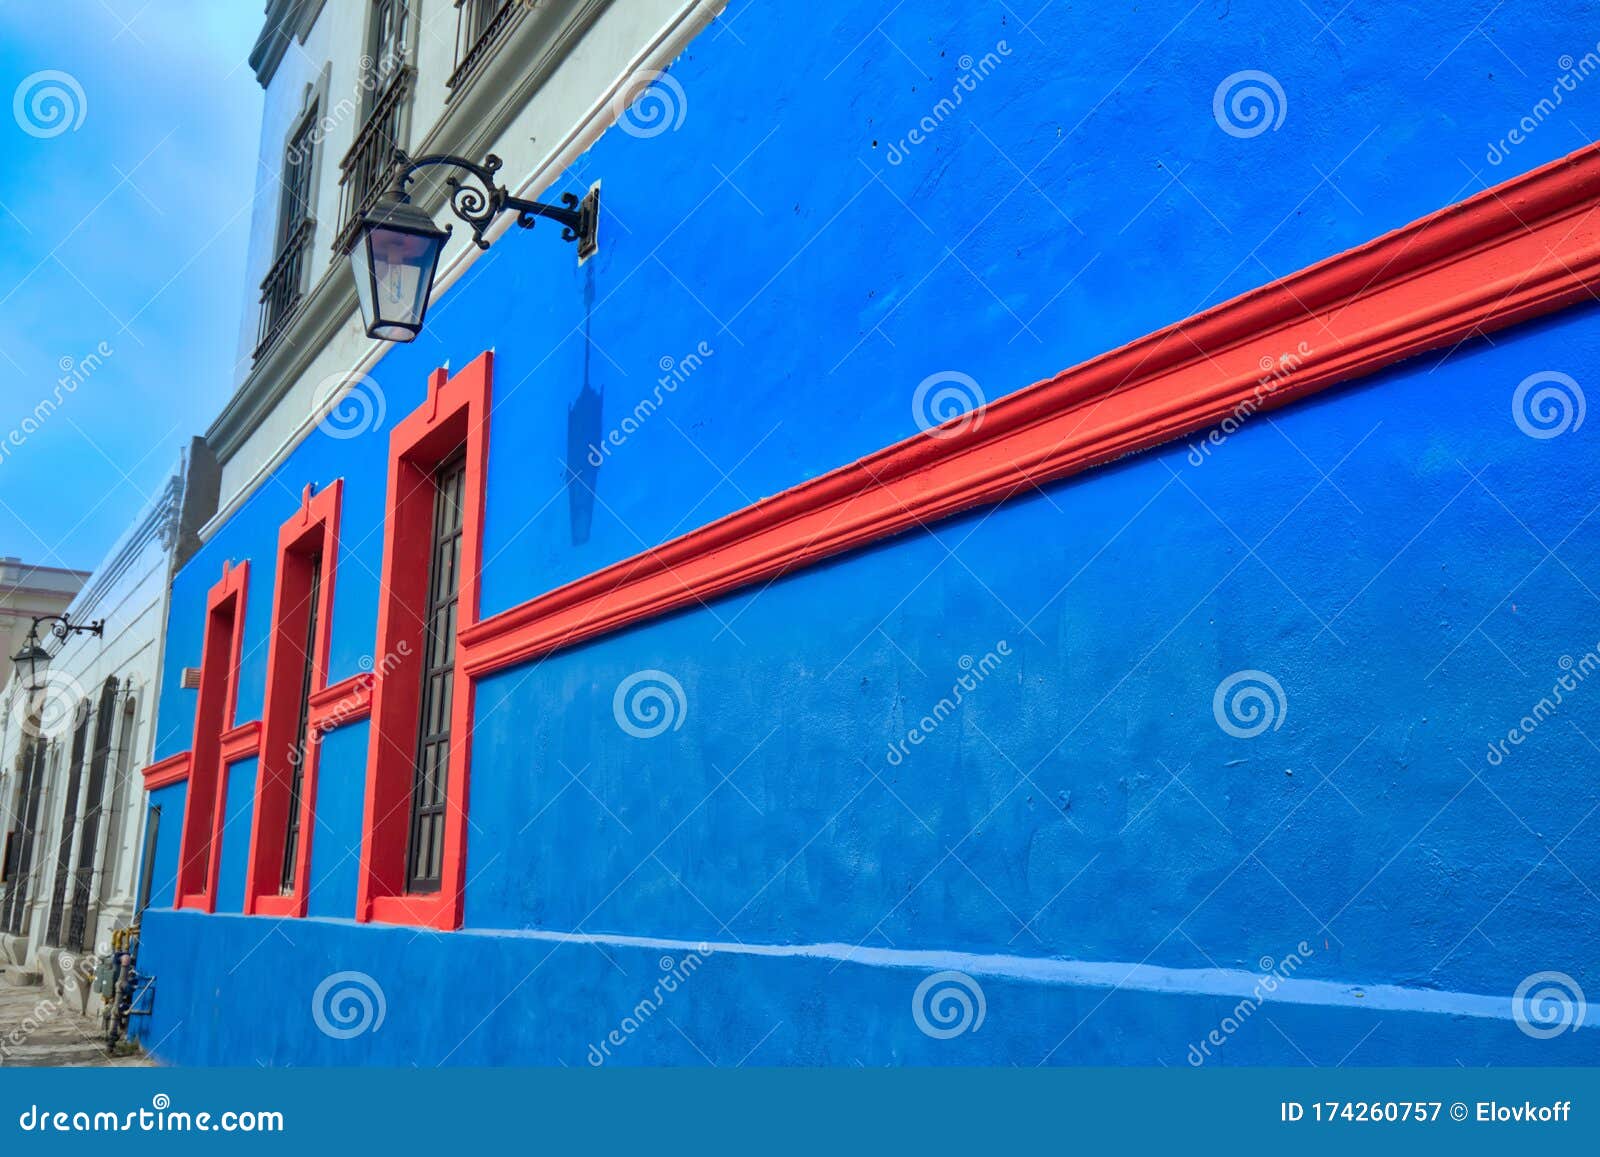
39, 1028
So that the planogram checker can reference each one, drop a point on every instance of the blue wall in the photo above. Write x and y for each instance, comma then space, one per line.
513, 1001
164, 877
1382, 551
834, 257
238, 808
336, 840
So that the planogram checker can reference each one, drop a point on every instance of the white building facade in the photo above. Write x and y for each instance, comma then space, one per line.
74, 737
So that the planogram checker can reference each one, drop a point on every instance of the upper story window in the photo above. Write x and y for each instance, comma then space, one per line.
479, 26
284, 285
386, 80
386, 45
295, 205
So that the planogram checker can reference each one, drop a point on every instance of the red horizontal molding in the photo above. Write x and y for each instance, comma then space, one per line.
1522, 249
343, 702
173, 769
241, 743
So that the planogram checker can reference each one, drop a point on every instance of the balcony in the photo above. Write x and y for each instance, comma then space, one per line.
284, 285
366, 169
479, 26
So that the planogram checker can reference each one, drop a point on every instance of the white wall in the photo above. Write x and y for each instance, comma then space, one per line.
129, 591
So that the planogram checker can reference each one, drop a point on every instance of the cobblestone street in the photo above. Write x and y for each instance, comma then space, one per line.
38, 1028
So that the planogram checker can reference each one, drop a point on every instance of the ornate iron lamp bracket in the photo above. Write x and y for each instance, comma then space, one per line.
477, 199
62, 625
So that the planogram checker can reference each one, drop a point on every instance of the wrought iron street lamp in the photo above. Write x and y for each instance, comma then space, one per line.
36, 657
397, 248
394, 260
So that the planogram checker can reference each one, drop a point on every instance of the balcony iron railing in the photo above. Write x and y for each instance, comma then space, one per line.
367, 168
284, 285
479, 26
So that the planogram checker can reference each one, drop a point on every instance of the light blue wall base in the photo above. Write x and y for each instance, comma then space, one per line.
480, 999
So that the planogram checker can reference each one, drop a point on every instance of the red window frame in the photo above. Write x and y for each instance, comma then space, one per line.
455, 412
311, 531
199, 856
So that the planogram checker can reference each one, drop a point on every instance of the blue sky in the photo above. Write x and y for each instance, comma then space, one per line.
123, 225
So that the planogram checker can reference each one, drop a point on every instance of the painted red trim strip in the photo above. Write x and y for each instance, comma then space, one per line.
173, 769
241, 742
455, 412
1522, 249
199, 858
1525, 248
311, 532
344, 702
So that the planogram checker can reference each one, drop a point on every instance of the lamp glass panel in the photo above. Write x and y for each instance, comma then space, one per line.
402, 273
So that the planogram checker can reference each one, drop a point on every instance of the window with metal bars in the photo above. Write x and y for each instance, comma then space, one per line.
302, 732
20, 870
431, 769
114, 851
480, 24
54, 932
386, 78
284, 284
89, 831
386, 38
295, 202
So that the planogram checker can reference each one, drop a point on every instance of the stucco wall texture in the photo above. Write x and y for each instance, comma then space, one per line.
1109, 852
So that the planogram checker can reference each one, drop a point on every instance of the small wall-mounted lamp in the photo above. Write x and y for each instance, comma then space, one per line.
397, 249
36, 657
